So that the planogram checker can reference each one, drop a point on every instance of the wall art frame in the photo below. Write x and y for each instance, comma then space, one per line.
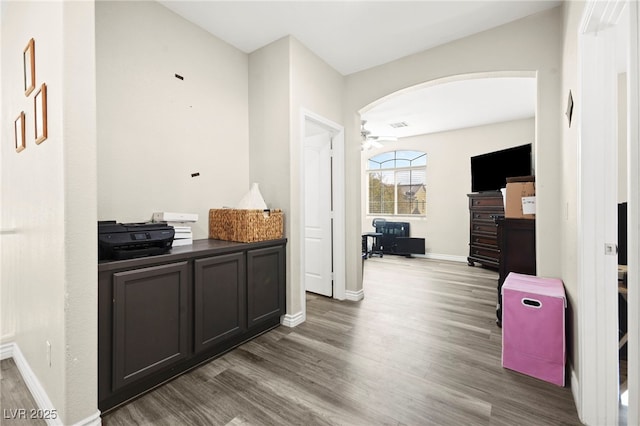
29, 67
19, 126
40, 114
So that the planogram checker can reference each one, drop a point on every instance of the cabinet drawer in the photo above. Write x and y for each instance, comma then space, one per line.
488, 228
484, 252
490, 202
486, 240
484, 215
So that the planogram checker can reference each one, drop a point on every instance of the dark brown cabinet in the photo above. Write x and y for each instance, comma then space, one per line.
149, 321
517, 241
483, 233
162, 315
265, 297
219, 299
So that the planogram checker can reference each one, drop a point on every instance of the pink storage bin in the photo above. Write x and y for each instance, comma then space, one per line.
533, 327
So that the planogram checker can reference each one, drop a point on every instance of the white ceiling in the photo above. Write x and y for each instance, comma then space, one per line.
453, 105
352, 36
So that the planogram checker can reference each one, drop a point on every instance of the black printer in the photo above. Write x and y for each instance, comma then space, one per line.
118, 241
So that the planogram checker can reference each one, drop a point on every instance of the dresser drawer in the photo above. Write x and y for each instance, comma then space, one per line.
485, 240
487, 228
484, 215
485, 252
489, 202
483, 231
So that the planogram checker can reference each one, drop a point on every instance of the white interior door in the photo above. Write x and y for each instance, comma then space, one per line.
318, 212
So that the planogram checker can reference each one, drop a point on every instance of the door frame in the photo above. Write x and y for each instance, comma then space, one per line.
633, 220
338, 198
318, 187
596, 388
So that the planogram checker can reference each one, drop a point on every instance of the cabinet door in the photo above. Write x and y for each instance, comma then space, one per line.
150, 326
265, 284
219, 296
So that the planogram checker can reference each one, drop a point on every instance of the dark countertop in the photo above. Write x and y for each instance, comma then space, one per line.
199, 248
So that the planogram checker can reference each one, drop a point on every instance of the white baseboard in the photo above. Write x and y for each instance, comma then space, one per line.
354, 296
575, 390
447, 257
292, 320
6, 350
33, 384
11, 350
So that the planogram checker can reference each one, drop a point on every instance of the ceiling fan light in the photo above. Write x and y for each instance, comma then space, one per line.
399, 124
387, 138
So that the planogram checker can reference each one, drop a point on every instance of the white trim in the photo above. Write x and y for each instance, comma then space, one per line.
354, 296
633, 216
447, 257
600, 15
597, 181
33, 384
6, 350
11, 350
339, 215
575, 388
292, 320
339, 207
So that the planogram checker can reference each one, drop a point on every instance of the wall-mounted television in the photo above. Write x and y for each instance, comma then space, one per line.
489, 172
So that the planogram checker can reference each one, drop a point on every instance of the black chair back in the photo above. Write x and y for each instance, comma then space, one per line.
379, 223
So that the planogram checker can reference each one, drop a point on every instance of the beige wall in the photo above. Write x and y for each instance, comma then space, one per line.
530, 45
318, 88
284, 78
269, 126
270, 133
155, 130
48, 279
448, 181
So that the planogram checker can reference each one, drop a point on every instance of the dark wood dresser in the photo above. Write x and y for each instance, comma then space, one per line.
483, 232
517, 241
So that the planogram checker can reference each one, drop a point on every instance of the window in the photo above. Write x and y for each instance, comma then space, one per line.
396, 183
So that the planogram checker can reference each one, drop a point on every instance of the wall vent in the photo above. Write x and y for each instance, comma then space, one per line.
399, 124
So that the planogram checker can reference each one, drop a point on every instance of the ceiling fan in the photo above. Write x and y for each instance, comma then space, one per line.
370, 141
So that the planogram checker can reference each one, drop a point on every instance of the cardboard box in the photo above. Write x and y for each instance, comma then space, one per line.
521, 198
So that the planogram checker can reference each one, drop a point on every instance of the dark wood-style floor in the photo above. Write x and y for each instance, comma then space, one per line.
17, 406
422, 348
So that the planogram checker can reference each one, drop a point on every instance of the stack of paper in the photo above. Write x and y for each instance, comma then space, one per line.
181, 223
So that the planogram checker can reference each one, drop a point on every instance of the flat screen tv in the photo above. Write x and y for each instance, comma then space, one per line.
489, 172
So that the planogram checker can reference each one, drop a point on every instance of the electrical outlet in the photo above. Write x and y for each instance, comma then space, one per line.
49, 353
